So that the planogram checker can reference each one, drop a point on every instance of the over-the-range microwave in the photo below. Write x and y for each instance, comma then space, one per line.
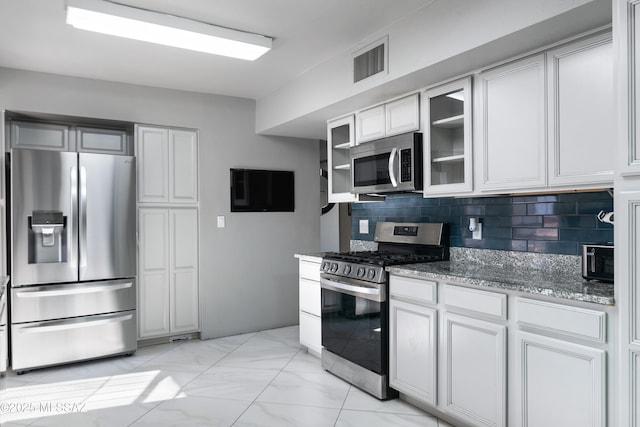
391, 164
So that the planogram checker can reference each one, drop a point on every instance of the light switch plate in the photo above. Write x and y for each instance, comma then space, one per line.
364, 226
220, 221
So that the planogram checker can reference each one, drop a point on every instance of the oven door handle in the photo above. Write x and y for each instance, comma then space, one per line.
372, 294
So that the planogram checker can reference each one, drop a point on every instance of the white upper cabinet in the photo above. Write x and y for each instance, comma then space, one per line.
152, 153
447, 150
183, 166
402, 115
103, 141
511, 126
581, 112
371, 124
40, 136
167, 165
340, 137
627, 40
392, 118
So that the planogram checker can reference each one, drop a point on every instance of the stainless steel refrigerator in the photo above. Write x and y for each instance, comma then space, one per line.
73, 257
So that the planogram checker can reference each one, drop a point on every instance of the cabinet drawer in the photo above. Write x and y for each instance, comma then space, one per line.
310, 270
417, 290
490, 304
573, 321
310, 296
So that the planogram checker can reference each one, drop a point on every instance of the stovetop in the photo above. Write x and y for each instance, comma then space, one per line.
382, 258
398, 243
370, 266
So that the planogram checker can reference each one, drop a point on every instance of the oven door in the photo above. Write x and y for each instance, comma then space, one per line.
354, 318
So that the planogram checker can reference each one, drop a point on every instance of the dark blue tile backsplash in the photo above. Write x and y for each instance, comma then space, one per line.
549, 223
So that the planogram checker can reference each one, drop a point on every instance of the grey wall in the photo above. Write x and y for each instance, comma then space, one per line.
248, 275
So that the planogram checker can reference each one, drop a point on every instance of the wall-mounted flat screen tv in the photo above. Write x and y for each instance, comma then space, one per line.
255, 190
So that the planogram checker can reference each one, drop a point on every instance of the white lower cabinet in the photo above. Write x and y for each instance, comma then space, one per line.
560, 364
487, 358
474, 356
412, 350
168, 272
561, 383
309, 292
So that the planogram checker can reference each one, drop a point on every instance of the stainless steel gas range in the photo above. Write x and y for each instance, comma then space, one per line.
355, 294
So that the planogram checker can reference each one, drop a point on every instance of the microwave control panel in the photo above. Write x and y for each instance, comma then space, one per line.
405, 165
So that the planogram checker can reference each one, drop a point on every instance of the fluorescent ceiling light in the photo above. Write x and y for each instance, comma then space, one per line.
139, 24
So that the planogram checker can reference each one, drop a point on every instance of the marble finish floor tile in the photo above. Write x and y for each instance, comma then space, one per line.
304, 362
258, 379
231, 383
278, 415
350, 418
307, 389
358, 400
194, 411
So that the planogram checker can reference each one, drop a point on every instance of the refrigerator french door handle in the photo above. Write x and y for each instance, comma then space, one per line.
82, 212
72, 215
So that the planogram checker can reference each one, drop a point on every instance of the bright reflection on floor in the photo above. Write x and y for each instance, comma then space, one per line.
42, 400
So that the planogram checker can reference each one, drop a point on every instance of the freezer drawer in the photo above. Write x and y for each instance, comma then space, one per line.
47, 302
54, 342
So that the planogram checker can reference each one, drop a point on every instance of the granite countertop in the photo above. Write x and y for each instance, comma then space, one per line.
533, 281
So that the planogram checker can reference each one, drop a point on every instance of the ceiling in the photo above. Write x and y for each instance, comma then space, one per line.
34, 36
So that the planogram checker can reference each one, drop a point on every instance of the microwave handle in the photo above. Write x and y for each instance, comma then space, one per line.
392, 158
592, 260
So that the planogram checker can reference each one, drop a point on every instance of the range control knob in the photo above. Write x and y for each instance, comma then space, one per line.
360, 272
346, 270
326, 265
371, 274
334, 267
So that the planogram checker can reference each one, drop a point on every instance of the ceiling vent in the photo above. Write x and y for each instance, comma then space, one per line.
371, 60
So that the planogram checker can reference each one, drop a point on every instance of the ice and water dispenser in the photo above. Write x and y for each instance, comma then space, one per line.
47, 237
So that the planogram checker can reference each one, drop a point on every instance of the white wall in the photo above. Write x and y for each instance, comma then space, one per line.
248, 275
439, 41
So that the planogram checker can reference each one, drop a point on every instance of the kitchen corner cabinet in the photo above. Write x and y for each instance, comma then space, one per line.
392, 118
581, 112
448, 139
511, 128
310, 315
168, 272
167, 165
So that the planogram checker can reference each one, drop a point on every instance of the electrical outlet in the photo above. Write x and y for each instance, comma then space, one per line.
364, 226
477, 233
221, 221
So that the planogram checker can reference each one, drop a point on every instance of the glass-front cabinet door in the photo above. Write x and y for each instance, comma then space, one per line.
340, 137
448, 150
